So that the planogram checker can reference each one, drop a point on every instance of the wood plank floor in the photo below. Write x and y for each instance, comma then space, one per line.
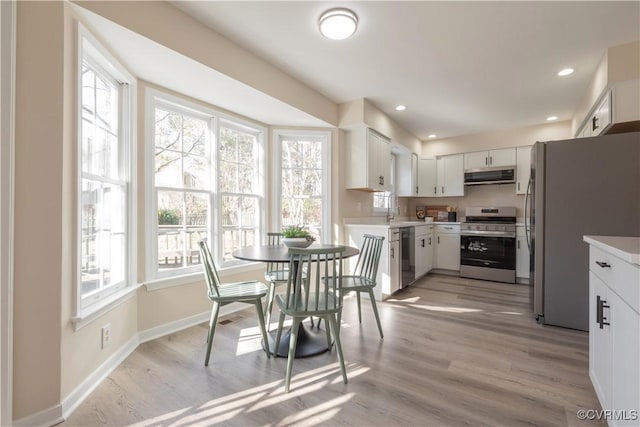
456, 352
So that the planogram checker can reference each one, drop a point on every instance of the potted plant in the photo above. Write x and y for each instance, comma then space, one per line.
295, 236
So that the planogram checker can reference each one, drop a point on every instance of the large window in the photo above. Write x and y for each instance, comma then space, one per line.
104, 202
302, 176
207, 182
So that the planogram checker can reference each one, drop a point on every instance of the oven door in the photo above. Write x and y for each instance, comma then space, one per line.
488, 251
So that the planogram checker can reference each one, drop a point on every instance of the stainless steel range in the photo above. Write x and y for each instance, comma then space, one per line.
488, 244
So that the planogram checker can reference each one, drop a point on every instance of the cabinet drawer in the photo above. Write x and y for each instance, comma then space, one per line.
448, 229
423, 230
394, 234
622, 277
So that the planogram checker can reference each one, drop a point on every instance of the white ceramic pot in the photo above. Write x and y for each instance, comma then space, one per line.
296, 242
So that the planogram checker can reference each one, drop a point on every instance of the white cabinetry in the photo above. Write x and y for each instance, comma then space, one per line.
423, 249
493, 158
427, 177
523, 168
447, 252
368, 160
406, 174
614, 325
388, 278
600, 119
450, 175
522, 253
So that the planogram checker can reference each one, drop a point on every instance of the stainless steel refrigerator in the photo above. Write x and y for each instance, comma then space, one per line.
587, 186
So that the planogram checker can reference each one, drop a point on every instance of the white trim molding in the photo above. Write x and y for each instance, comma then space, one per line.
7, 145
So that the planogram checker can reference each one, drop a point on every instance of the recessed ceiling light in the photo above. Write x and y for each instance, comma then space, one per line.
338, 24
401, 108
433, 135
552, 118
565, 72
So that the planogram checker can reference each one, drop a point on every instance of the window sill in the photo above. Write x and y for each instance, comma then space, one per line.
94, 311
168, 282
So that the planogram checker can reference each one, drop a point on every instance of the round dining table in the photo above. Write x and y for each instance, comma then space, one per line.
311, 340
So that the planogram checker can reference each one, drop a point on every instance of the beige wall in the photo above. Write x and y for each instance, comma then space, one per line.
150, 18
497, 139
618, 64
38, 259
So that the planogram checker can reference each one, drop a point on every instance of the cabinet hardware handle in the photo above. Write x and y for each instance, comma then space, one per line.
518, 244
448, 228
435, 189
429, 241
490, 160
603, 264
443, 189
438, 239
601, 304
518, 185
594, 123
393, 255
417, 192
423, 243
486, 161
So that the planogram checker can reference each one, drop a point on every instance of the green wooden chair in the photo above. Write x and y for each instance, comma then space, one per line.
312, 296
222, 294
277, 274
364, 275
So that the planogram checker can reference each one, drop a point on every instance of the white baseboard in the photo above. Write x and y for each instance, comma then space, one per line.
45, 418
59, 413
80, 393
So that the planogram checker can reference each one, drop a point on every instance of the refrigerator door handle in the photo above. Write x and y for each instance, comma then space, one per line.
526, 224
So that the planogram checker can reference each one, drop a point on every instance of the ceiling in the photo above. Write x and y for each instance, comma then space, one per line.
459, 67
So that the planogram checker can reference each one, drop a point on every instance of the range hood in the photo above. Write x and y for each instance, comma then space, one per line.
491, 175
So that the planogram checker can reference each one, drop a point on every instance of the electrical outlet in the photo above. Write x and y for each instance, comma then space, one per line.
106, 335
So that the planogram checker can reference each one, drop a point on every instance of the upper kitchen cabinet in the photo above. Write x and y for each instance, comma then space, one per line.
493, 158
406, 174
427, 177
523, 168
368, 160
599, 120
450, 175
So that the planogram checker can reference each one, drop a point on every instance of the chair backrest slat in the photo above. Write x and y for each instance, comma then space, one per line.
211, 274
369, 258
319, 263
274, 239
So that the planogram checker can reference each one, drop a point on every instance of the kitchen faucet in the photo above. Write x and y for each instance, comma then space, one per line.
390, 215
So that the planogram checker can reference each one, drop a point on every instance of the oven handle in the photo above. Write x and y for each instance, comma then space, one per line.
489, 233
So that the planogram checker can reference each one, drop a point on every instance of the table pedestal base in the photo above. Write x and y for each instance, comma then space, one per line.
311, 341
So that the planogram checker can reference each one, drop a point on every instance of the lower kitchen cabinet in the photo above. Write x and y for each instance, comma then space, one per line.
614, 328
388, 277
522, 253
423, 249
447, 247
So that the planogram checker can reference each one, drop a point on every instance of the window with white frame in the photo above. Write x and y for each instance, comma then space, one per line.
207, 183
104, 162
302, 177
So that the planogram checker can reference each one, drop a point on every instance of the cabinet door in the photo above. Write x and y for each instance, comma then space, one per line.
475, 160
522, 257
452, 183
502, 157
394, 266
374, 178
429, 253
384, 163
603, 115
599, 342
625, 336
523, 168
414, 174
448, 251
427, 177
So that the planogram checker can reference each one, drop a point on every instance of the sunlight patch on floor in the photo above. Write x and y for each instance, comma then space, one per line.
320, 413
446, 309
515, 313
412, 299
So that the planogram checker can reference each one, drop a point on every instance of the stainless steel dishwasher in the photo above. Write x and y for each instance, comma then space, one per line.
407, 273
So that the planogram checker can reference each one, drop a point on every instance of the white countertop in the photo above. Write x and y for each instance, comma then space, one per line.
625, 248
397, 224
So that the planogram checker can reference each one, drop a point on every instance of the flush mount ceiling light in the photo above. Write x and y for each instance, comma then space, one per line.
338, 24
552, 118
565, 72
401, 107
433, 135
